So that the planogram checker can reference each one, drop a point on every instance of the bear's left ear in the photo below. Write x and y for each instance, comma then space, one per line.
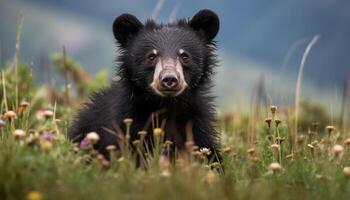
125, 26
206, 22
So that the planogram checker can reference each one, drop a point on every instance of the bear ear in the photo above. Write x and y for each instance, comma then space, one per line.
125, 26
206, 22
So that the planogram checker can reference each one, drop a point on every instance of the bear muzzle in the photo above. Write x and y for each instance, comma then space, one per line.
168, 79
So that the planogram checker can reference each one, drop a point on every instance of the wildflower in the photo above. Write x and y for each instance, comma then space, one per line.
338, 150
310, 146
84, 144
100, 157
157, 131
347, 141
10, 115
31, 141
268, 121
2, 123
226, 149
275, 167
136, 143
251, 151
93, 137
22, 106
346, 171
142, 134
278, 122
215, 165
48, 113
165, 173
121, 159
46, 145
255, 159
48, 136
273, 109
275, 147
320, 176
330, 129
280, 139
168, 142
111, 147
34, 195
128, 121
105, 164
19, 133
205, 151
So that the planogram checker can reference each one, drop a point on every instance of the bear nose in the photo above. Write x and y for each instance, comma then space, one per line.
169, 81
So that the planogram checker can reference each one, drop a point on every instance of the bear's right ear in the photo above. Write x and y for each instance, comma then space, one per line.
126, 26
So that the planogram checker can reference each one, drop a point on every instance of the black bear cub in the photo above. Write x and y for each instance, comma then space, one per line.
164, 69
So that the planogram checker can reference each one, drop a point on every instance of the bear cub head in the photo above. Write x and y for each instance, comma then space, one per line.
166, 60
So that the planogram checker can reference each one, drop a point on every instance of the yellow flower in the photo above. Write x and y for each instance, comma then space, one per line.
46, 145
34, 195
157, 131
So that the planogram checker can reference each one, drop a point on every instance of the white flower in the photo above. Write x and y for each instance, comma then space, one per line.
93, 137
275, 167
205, 151
19, 133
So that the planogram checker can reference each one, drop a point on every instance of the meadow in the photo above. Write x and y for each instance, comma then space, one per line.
271, 152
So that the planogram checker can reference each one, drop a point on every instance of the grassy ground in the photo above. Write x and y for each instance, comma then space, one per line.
263, 156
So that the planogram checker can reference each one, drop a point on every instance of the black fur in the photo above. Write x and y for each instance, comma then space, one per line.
131, 96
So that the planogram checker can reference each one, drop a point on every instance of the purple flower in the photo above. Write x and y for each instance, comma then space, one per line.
84, 144
2, 123
48, 136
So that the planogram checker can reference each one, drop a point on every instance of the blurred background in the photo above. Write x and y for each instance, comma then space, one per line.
261, 43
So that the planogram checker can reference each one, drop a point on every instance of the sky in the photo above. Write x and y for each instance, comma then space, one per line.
257, 38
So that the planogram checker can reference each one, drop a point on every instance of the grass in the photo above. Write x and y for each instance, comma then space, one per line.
37, 161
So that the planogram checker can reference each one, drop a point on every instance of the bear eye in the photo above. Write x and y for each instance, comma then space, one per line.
152, 56
184, 56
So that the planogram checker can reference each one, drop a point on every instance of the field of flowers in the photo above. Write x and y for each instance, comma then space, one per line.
272, 152
265, 154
